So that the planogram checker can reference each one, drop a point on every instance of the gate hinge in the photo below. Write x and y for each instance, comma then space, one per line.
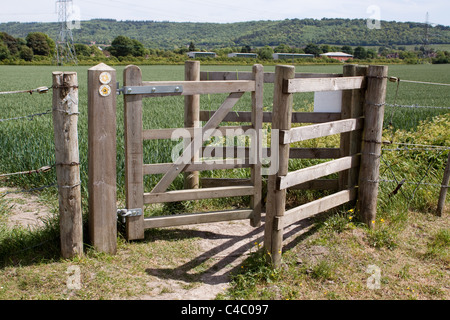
124, 213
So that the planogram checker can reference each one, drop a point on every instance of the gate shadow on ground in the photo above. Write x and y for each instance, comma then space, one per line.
228, 262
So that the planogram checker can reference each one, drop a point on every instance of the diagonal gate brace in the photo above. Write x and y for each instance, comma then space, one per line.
197, 142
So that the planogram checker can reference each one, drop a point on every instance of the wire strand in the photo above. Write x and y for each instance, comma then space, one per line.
29, 117
38, 90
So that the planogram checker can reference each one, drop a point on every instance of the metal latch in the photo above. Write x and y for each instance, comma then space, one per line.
124, 213
130, 90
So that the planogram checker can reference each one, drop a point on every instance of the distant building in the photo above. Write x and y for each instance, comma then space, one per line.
198, 54
290, 56
341, 56
242, 55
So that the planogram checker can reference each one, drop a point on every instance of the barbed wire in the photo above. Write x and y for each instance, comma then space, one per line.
29, 190
29, 117
38, 90
418, 145
440, 149
412, 149
416, 183
40, 170
37, 171
414, 106
397, 79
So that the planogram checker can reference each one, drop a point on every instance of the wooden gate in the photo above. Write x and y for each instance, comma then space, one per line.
357, 160
360, 125
134, 91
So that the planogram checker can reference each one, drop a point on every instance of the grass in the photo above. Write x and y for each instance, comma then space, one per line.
410, 268
409, 244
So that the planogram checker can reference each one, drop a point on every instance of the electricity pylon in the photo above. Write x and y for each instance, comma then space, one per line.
65, 49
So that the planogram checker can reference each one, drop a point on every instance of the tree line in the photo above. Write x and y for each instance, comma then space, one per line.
293, 32
39, 47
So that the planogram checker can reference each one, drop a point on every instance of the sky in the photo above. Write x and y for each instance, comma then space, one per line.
226, 11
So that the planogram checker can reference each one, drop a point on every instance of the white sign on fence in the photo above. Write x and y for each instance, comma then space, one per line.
328, 101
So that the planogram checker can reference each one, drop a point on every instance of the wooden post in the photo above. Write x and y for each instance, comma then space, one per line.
276, 199
102, 157
444, 188
192, 118
256, 169
65, 120
358, 99
371, 148
134, 154
346, 113
352, 107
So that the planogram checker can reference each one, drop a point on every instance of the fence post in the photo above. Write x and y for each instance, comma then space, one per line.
192, 118
257, 119
65, 120
134, 154
352, 107
276, 199
346, 113
102, 157
444, 188
371, 144
358, 100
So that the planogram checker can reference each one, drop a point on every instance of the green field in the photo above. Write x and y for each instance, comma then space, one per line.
27, 144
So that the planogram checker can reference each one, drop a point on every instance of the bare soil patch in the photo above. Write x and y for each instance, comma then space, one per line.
24, 210
223, 246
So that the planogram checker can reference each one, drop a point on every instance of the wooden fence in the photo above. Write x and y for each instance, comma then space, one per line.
102, 136
357, 159
360, 151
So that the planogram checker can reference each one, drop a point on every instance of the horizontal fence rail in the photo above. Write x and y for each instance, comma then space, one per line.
189, 219
198, 194
320, 130
269, 77
323, 84
312, 208
311, 173
297, 117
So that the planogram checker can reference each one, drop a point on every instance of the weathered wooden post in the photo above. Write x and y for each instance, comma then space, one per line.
346, 113
352, 107
257, 119
134, 154
371, 146
102, 158
276, 199
444, 188
65, 120
192, 118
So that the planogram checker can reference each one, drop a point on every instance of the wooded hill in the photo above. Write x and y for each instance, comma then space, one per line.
295, 33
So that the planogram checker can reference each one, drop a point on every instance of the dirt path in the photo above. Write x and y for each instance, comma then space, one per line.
222, 248
24, 210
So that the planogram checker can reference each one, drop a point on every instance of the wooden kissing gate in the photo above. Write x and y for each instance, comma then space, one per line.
357, 160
